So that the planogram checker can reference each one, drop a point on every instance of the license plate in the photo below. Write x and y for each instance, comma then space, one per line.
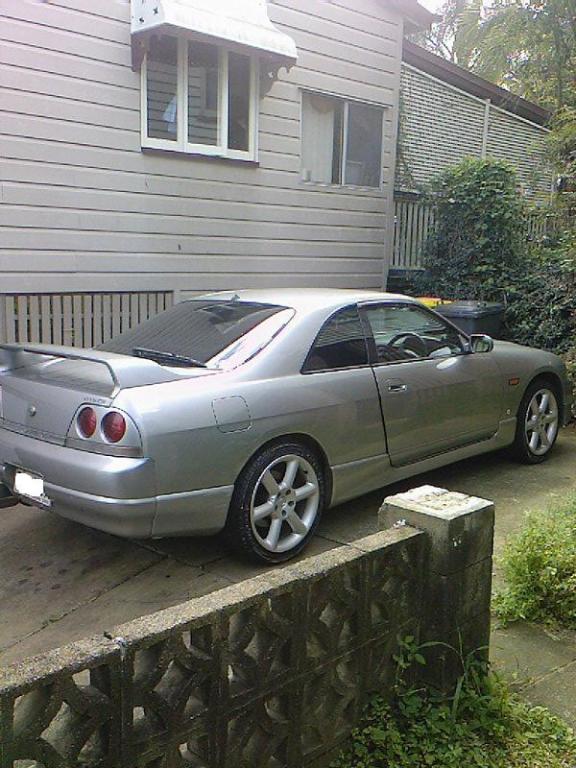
31, 487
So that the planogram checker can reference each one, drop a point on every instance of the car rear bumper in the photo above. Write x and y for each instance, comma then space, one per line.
113, 494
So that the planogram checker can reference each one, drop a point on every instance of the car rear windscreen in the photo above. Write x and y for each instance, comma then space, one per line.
195, 329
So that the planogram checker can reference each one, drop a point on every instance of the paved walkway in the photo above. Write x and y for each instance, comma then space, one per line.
60, 581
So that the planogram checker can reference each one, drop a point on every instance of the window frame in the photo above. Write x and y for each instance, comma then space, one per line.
371, 342
367, 364
181, 144
346, 101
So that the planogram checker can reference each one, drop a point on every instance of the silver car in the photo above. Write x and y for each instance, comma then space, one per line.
251, 412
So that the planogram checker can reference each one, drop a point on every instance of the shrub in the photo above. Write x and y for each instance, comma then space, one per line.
541, 298
481, 726
540, 569
479, 229
479, 251
570, 363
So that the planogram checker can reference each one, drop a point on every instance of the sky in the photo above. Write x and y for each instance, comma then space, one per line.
432, 5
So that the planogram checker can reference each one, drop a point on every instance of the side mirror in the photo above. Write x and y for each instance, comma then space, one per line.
481, 343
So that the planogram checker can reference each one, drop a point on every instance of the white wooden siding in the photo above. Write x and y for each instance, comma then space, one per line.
82, 208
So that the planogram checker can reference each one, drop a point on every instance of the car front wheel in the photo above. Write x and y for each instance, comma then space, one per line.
538, 423
277, 503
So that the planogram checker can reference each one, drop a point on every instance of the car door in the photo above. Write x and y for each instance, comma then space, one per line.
435, 395
339, 404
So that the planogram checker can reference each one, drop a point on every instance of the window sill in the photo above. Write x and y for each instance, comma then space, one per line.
210, 157
335, 188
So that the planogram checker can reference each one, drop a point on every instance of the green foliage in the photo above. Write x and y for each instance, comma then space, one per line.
562, 152
541, 296
479, 251
477, 241
540, 569
455, 35
482, 725
527, 46
569, 358
562, 140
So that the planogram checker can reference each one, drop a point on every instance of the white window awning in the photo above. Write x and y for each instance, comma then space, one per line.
238, 22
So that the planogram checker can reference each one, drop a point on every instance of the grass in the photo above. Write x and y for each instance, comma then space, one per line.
539, 567
482, 725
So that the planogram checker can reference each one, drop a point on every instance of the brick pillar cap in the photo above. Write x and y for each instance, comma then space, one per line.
437, 502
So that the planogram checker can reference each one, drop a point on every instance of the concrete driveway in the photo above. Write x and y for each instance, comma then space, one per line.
60, 581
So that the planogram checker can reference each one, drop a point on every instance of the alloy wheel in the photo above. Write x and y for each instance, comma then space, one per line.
541, 422
285, 503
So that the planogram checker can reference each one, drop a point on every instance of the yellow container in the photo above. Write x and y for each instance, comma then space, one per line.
432, 301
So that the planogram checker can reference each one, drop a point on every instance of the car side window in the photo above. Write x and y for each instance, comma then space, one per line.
341, 343
408, 332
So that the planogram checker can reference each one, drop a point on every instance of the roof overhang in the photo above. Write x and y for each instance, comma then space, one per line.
239, 23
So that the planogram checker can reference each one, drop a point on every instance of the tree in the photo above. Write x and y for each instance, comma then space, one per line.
562, 153
454, 36
527, 46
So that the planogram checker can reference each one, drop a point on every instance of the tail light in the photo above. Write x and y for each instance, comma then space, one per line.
113, 426
100, 429
87, 422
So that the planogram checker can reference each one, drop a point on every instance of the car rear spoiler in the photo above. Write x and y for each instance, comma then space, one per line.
125, 371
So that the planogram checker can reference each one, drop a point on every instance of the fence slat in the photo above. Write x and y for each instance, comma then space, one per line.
124, 312
57, 319
46, 321
87, 315
68, 322
115, 314
10, 319
34, 318
77, 321
134, 307
97, 319
22, 333
106, 317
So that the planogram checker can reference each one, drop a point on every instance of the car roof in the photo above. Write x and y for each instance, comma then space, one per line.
306, 299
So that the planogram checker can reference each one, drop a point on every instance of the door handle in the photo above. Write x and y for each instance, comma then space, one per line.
397, 387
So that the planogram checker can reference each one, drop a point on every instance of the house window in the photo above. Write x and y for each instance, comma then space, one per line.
341, 141
199, 98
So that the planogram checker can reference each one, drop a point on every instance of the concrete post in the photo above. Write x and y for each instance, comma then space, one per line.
456, 597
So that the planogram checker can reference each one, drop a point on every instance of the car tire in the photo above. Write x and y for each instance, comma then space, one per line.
277, 503
538, 423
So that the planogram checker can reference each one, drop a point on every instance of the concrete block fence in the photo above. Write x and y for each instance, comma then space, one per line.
271, 673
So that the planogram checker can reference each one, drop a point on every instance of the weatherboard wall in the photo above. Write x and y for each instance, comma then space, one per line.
83, 208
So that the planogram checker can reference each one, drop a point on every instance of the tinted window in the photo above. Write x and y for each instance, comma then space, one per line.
340, 344
204, 330
408, 332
